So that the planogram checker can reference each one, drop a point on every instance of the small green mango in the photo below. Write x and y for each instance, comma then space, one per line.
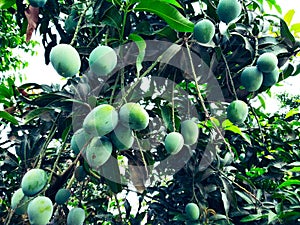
40, 210
76, 216
34, 181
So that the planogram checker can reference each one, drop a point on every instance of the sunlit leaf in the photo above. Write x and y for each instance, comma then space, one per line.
141, 44
288, 17
5, 4
289, 183
168, 13
5, 115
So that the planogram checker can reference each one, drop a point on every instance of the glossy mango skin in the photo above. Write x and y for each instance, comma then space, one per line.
237, 111
228, 10
102, 60
33, 182
190, 132
65, 60
40, 210
192, 211
62, 196
174, 142
134, 116
19, 202
122, 137
98, 151
267, 62
101, 120
76, 216
251, 78
204, 31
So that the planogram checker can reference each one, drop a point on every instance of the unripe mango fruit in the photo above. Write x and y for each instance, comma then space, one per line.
65, 60
80, 173
62, 196
19, 202
204, 31
79, 140
267, 62
174, 142
237, 111
134, 116
228, 10
271, 78
34, 181
251, 78
122, 137
190, 132
98, 151
76, 216
40, 210
37, 3
101, 120
102, 60
192, 211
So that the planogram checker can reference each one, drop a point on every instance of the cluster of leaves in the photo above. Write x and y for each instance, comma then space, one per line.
11, 40
253, 172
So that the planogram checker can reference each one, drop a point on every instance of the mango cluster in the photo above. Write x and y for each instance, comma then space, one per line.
265, 73
25, 200
66, 60
105, 128
39, 208
188, 135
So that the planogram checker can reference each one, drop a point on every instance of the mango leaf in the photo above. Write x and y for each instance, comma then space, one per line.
285, 33
172, 2
166, 113
141, 44
288, 17
289, 183
226, 202
112, 17
262, 101
227, 125
5, 4
253, 217
5, 115
292, 112
295, 27
36, 113
168, 13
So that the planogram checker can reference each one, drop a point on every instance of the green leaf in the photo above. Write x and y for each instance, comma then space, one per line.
289, 183
285, 33
262, 101
112, 17
168, 13
251, 218
5, 4
172, 2
226, 202
295, 27
36, 113
272, 217
141, 44
227, 125
166, 113
5, 115
289, 16
292, 112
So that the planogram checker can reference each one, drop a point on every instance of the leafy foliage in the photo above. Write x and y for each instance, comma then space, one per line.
252, 170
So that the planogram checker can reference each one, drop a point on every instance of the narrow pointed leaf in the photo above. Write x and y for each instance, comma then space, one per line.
168, 13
